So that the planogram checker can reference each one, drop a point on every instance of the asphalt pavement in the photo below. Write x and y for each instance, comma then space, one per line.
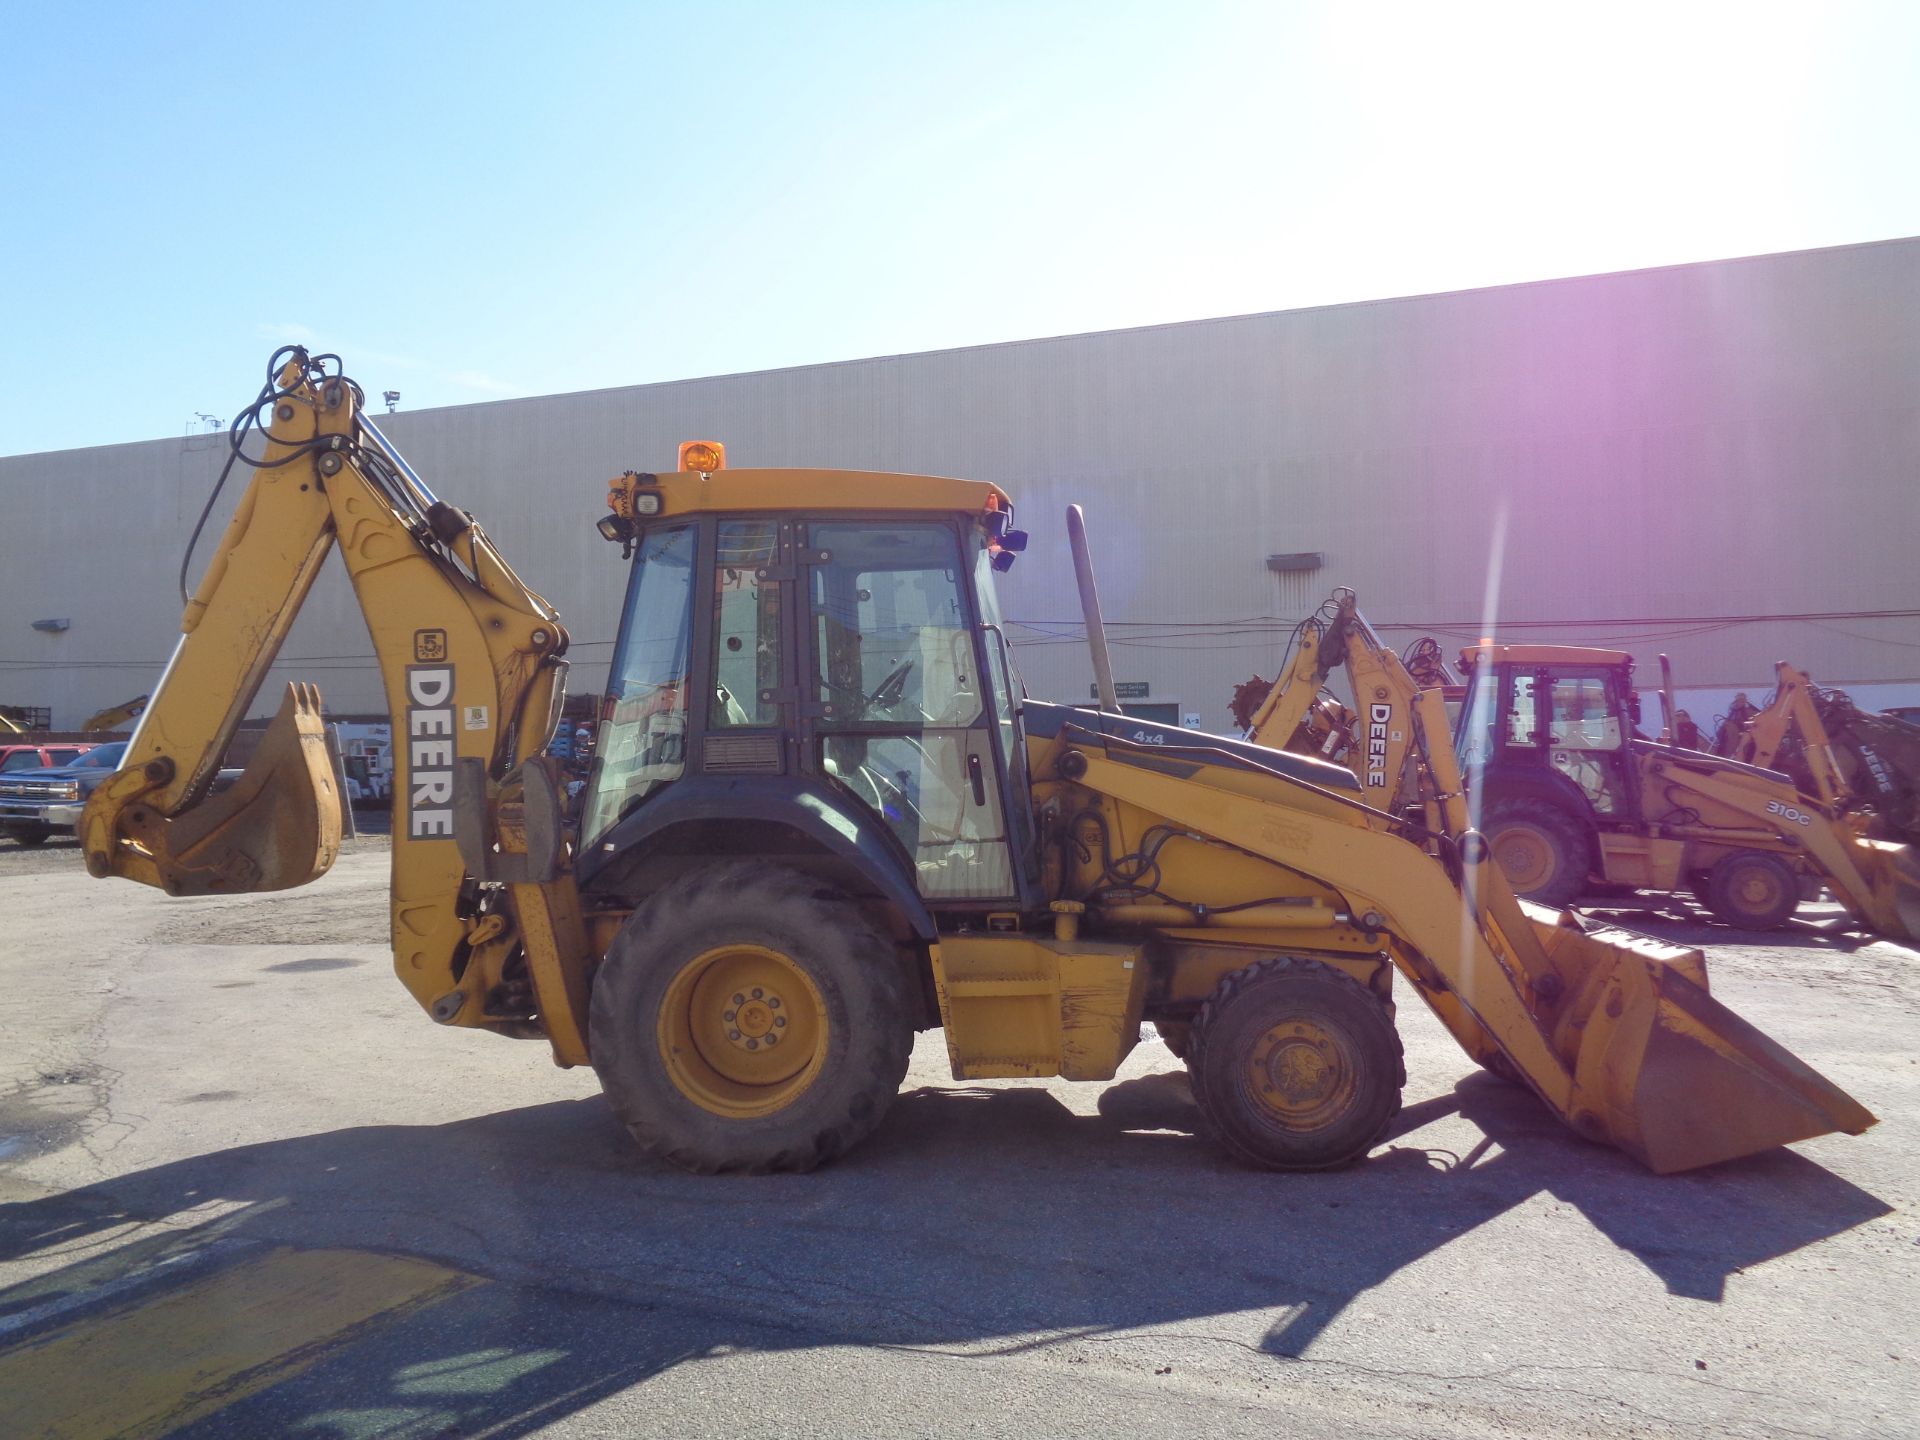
247, 1188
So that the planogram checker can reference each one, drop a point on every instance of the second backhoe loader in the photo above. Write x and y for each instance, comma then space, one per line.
1849, 759
1566, 793
822, 816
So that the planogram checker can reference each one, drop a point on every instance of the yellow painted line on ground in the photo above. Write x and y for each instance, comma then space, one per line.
142, 1370
113, 1259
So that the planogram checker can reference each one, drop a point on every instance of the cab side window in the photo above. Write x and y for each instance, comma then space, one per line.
902, 722
746, 625
1583, 717
643, 740
1523, 712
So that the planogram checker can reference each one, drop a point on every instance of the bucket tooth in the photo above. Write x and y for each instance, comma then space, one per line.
278, 826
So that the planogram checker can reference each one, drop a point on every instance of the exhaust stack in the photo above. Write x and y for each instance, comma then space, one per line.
1090, 609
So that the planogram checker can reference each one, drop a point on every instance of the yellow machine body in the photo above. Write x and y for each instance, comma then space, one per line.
1253, 863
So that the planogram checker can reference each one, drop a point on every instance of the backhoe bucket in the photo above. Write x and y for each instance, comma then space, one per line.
1902, 872
277, 827
1666, 1072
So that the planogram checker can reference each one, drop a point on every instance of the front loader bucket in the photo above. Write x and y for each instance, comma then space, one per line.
1901, 882
277, 826
1669, 1074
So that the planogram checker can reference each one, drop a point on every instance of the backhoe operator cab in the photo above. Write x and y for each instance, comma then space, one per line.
1546, 728
842, 679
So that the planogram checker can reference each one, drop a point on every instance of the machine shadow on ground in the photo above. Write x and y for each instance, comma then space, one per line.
979, 1219
1674, 918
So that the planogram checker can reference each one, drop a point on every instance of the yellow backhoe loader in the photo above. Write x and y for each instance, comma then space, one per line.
1566, 793
115, 716
822, 816
1848, 758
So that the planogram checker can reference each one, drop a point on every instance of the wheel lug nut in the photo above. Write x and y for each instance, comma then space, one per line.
774, 1003
733, 1034
780, 1020
753, 1044
739, 999
758, 993
728, 1017
770, 1038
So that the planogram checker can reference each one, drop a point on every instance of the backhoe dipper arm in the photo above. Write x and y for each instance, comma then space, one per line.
1318, 647
1792, 708
470, 658
1383, 692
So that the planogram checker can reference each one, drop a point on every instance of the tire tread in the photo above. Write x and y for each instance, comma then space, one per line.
878, 1054
1230, 989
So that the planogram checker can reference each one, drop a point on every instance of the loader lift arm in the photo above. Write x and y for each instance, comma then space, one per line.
1616, 1033
471, 661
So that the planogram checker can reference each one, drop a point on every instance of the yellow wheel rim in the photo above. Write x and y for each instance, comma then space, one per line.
1525, 856
1756, 889
743, 1031
1303, 1073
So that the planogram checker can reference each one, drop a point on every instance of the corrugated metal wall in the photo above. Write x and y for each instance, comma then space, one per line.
1666, 454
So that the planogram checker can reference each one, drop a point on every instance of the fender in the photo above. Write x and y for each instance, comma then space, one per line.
816, 815
1503, 778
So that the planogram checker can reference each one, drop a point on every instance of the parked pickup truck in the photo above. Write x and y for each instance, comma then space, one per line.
36, 755
36, 803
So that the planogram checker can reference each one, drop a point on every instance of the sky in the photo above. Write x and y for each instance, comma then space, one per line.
475, 201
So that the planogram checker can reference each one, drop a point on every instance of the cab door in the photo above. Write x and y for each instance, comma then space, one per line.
893, 699
1585, 736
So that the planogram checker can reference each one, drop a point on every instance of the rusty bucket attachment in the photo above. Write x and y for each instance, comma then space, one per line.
277, 826
1666, 1072
1897, 877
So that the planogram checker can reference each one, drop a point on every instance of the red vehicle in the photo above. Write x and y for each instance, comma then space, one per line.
28, 756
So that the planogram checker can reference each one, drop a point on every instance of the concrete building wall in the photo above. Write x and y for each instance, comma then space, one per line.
1658, 460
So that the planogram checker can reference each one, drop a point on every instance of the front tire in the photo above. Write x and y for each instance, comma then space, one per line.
1296, 1065
745, 1021
1752, 890
29, 837
1543, 851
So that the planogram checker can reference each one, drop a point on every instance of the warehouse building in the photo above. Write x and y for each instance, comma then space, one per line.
1715, 460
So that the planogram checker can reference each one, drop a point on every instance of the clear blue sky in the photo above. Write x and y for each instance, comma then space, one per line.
481, 200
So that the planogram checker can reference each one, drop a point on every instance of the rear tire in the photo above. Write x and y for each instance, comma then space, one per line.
1295, 1065
744, 1021
1752, 890
1543, 851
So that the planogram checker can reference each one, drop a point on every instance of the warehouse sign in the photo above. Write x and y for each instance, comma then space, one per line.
1122, 690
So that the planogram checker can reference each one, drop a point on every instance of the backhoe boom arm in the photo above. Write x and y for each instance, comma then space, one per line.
471, 662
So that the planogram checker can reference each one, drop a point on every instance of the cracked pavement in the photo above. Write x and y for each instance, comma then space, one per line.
194, 1094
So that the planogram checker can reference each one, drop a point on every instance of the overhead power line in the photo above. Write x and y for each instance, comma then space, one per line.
1244, 633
